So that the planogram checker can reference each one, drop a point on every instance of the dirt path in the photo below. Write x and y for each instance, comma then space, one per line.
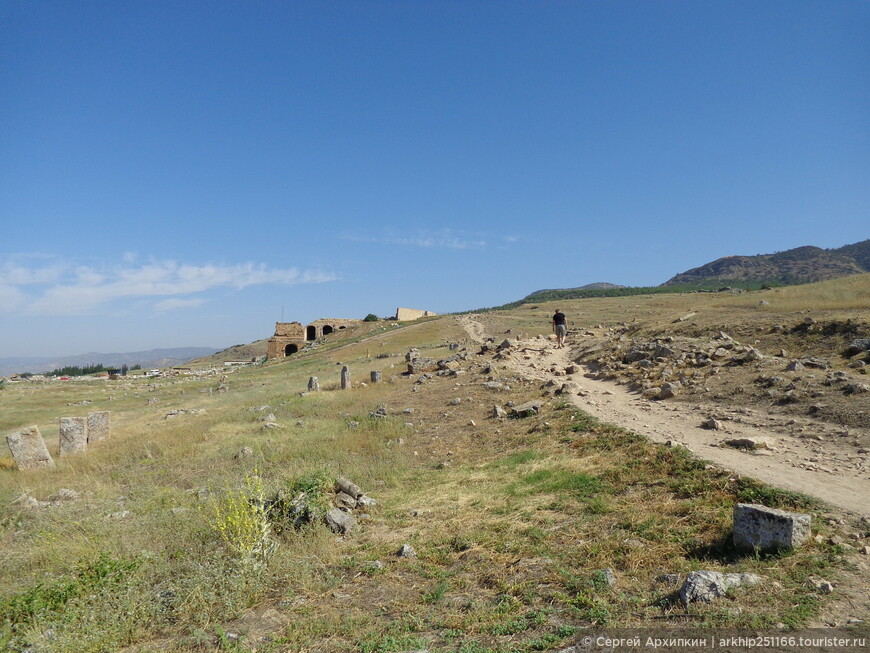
610, 402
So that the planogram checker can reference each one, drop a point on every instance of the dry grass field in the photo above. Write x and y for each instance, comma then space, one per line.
527, 532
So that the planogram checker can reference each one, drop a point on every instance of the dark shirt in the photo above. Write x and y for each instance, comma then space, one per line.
559, 318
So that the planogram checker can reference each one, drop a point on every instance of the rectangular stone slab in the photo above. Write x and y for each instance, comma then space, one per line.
766, 529
98, 425
29, 450
73, 435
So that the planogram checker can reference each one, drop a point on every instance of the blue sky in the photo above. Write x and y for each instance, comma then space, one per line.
188, 173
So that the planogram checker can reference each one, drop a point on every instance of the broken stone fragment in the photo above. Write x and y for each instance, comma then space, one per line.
748, 443
64, 494
349, 488
30, 503
705, 586
527, 409
607, 576
340, 521
820, 585
365, 502
669, 390
344, 501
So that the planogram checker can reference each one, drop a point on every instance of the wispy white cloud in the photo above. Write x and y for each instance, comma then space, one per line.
173, 304
442, 239
62, 288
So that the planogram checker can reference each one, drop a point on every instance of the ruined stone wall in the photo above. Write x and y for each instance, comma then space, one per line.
290, 337
326, 325
406, 314
289, 330
287, 334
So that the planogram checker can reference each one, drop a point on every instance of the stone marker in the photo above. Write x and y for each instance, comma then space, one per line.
28, 449
757, 526
345, 378
375, 376
98, 426
313, 384
73, 435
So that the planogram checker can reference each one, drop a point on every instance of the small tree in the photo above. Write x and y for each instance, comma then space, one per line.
371, 317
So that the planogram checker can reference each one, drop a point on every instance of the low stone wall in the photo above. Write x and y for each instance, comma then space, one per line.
408, 314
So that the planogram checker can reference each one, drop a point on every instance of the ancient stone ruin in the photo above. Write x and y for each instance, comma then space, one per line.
288, 339
291, 337
73, 435
408, 314
98, 426
29, 450
769, 529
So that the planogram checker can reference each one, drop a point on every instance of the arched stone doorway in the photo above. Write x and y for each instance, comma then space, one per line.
327, 329
290, 349
311, 332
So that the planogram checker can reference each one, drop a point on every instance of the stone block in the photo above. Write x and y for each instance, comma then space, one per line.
527, 409
339, 521
705, 586
345, 378
757, 526
28, 449
73, 435
98, 425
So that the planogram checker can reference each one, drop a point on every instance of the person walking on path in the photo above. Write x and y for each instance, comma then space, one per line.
560, 328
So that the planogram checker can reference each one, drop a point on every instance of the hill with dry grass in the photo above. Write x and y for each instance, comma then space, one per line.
200, 523
794, 266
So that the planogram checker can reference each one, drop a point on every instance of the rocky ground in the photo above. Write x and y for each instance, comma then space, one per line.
791, 422
713, 396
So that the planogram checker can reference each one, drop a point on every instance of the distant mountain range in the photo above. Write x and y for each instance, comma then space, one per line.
588, 286
147, 359
800, 265
794, 266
